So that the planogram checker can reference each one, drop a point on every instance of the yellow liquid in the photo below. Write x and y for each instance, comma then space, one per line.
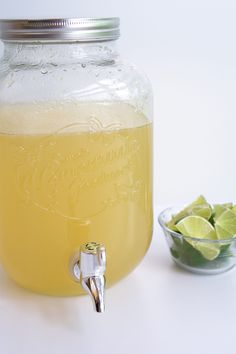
59, 190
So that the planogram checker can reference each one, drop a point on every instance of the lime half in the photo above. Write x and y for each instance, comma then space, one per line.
197, 226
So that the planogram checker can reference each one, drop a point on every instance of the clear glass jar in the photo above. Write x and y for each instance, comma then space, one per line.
75, 154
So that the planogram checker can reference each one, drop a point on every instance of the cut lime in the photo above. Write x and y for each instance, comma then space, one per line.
234, 209
199, 207
219, 209
203, 210
221, 233
198, 227
226, 225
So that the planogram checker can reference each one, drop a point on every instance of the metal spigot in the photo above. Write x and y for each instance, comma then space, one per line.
89, 269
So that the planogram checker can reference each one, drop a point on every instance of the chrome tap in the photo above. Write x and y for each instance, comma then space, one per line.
89, 269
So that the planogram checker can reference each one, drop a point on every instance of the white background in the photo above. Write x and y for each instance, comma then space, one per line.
188, 50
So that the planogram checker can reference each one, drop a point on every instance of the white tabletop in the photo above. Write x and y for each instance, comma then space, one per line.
157, 309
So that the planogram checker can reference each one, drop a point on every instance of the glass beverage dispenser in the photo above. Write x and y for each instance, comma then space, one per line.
75, 157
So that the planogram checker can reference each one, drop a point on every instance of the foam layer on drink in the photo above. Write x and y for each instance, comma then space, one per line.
51, 117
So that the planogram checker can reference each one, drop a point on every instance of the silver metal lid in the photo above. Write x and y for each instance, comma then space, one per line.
70, 29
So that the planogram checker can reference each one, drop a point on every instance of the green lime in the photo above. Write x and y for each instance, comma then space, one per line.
198, 227
203, 210
221, 233
234, 209
218, 209
199, 207
226, 225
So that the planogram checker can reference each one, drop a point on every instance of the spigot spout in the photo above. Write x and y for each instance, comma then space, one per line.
95, 288
90, 271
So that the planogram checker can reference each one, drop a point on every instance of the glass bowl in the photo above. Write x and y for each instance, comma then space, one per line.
188, 257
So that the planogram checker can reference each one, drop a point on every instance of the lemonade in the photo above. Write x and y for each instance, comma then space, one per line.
71, 174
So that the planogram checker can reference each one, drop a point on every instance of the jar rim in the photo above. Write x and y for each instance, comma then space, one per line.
63, 29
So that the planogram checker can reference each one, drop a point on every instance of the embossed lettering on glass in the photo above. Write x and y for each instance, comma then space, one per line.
75, 157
